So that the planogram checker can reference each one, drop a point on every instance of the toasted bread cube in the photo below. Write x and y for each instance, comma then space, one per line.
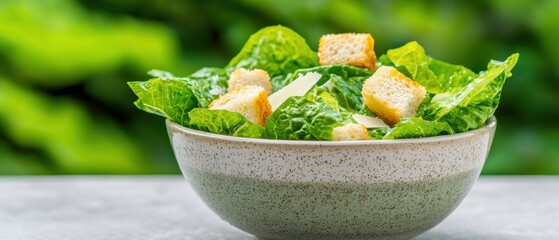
391, 95
349, 132
356, 49
250, 101
243, 77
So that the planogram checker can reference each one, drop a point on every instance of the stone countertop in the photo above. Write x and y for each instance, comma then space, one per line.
165, 208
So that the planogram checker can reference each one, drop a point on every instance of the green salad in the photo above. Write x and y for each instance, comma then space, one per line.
456, 98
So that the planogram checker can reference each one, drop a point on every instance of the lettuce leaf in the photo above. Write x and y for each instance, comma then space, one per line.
343, 82
224, 122
411, 60
344, 71
276, 49
317, 95
475, 102
378, 133
304, 118
217, 77
418, 128
457, 96
173, 97
458, 99
451, 77
435, 75
206, 84
170, 98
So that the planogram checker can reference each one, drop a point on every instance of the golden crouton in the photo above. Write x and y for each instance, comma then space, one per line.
250, 101
243, 77
356, 49
391, 95
349, 132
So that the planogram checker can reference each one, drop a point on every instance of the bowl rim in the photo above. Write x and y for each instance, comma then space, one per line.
489, 126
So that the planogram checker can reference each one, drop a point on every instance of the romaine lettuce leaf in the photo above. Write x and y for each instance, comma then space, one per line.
276, 49
304, 118
474, 103
173, 97
451, 77
217, 77
317, 95
343, 82
411, 60
206, 84
378, 133
426, 101
457, 96
169, 98
224, 122
435, 75
418, 128
347, 92
458, 99
344, 71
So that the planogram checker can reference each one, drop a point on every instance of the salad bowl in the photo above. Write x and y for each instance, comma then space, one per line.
269, 141
374, 189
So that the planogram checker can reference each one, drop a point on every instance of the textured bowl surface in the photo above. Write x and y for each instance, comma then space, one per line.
277, 189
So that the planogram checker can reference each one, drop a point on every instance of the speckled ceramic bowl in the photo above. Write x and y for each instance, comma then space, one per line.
389, 189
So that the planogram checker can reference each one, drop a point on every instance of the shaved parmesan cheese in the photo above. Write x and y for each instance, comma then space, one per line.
369, 122
298, 87
330, 85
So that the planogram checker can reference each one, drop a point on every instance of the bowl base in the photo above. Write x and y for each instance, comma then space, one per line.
276, 210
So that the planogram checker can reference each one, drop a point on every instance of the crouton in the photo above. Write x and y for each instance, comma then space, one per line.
356, 49
349, 132
250, 101
391, 95
243, 77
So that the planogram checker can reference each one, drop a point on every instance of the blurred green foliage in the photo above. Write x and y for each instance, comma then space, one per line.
65, 107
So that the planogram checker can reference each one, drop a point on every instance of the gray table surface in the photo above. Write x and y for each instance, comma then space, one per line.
165, 208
